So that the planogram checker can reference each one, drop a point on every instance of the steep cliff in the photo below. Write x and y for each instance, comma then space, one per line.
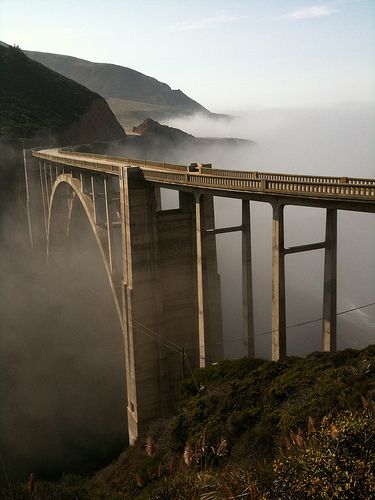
41, 104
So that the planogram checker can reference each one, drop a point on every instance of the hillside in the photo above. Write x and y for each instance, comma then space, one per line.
131, 95
151, 127
153, 141
41, 104
254, 429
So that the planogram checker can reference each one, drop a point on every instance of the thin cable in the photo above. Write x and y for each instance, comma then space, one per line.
318, 319
158, 339
178, 348
268, 332
191, 371
157, 335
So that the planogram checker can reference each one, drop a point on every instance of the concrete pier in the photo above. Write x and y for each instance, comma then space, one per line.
278, 284
247, 283
330, 283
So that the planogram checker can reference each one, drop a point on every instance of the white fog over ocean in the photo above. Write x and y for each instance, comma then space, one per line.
335, 141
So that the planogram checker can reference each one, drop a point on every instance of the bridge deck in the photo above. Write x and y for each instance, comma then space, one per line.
356, 193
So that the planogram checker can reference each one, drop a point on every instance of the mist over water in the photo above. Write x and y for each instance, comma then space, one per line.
335, 141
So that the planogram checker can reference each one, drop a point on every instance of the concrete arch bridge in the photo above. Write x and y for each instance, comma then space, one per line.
162, 264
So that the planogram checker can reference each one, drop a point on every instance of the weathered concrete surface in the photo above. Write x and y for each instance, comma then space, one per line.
278, 285
330, 283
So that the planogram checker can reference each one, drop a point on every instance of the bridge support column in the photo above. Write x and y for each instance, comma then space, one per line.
160, 292
35, 202
278, 285
140, 305
200, 282
109, 221
247, 283
208, 284
330, 282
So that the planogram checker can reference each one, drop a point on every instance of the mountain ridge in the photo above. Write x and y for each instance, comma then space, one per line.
120, 83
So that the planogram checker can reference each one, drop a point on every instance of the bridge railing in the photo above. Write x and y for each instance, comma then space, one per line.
330, 189
272, 176
286, 177
336, 187
112, 169
129, 161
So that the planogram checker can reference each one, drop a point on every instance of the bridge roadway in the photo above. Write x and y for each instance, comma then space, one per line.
162, 264
345, 193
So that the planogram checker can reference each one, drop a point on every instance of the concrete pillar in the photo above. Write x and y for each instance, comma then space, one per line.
247, 283
108, 217
178, 289
44, 196
212, 288
158, 198
330, 283
37, 210
159, 297
200, 282
140, 307
93, 196
278, 285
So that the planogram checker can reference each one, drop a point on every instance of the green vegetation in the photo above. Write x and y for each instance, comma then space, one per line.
301, 428
35, 100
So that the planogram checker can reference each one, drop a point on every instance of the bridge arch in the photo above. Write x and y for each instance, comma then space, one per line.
67, 192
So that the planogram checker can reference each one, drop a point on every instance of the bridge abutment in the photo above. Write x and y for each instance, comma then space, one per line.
170, 272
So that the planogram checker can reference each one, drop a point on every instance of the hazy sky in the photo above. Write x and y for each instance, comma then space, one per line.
225, 54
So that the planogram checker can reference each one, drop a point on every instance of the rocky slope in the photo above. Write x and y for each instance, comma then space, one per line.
151, 127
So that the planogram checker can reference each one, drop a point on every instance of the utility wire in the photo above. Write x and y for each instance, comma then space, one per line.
178, 348
268, 332
156, 337
185, 356
317, 319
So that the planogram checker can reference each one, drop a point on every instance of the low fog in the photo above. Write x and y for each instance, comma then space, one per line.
336, 141
63, 394
62, 384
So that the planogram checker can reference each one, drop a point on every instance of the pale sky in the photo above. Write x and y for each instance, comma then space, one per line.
228, 55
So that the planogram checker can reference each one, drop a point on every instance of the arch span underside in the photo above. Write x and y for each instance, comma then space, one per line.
66, 192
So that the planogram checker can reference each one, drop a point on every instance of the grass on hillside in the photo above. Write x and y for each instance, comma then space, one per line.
239, 433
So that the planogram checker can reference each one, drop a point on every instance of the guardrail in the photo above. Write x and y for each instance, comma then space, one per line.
264, 185
286, 177
300, 185
232, 173
131, 161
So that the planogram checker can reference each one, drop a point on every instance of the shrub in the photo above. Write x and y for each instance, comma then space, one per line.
337, 461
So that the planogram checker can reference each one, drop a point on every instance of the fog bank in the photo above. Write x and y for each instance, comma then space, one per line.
335, 141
